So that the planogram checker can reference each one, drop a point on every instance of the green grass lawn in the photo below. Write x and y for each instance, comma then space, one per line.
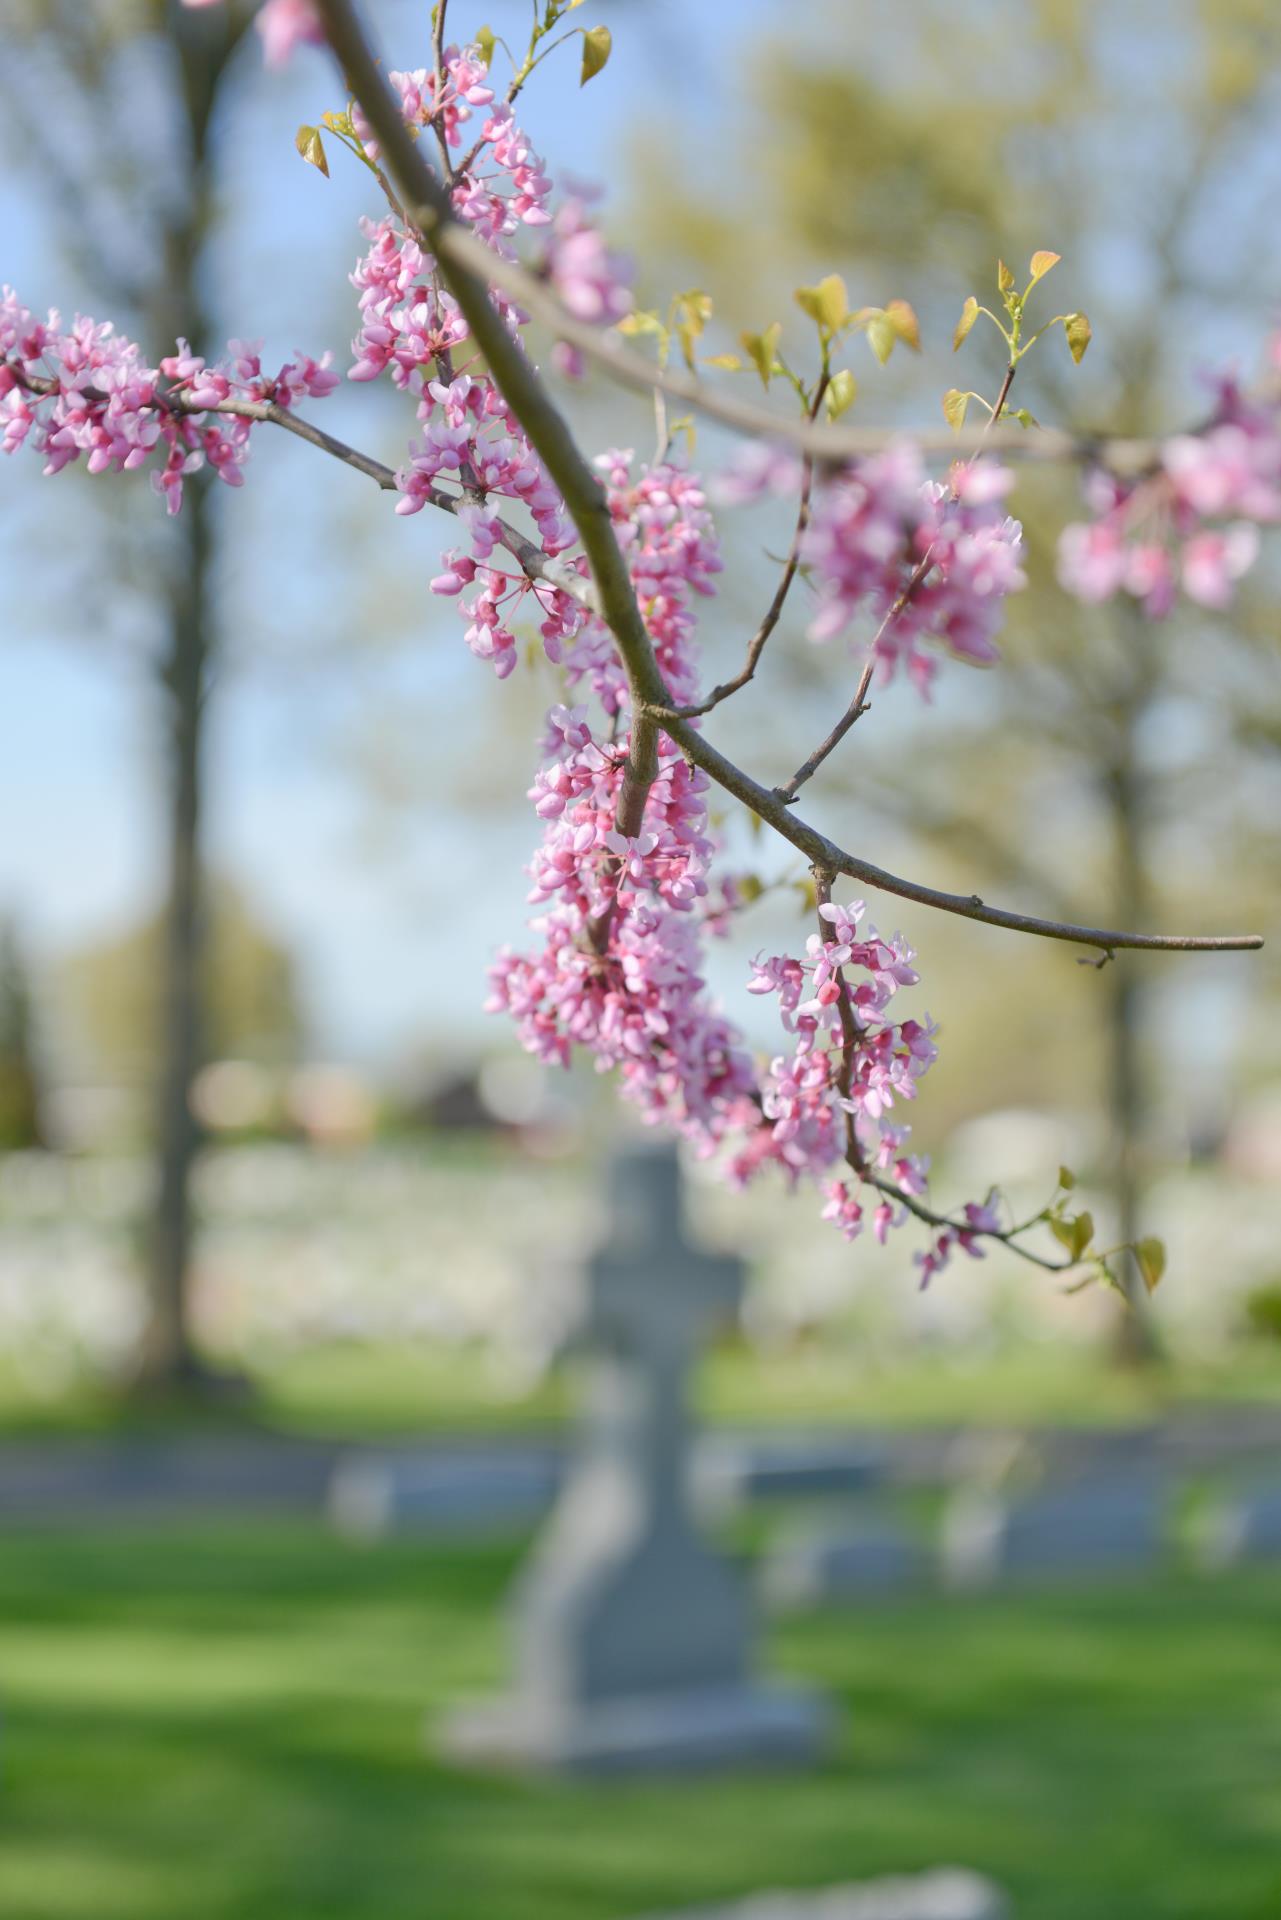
226, 1724
375, 1391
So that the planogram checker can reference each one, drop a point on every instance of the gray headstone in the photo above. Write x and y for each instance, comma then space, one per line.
372, 1494
948, 1893
633, 1638
735, 1470
1243, 1526
858, 1558
1088, 1530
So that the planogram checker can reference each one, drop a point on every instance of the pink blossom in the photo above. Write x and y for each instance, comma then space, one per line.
1193, 522
928, 563
284, 25
594, 283
85, 392
1214, 561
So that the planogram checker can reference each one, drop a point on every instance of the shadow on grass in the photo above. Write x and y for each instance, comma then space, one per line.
227, 1724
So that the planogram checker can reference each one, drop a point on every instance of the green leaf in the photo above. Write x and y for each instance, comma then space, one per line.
1041, 264
640, 322
690, 312
1074, 1233
312, 148
834, 302
485, 38
687, 333
881, 336
731, 362
1024, 418
827, 304
750, 887
1077, 328
1004, 278
760, 349
597, 42
840, 394
810, 301
969, 314
955, 406
1067, 1179
1150, 1254
907, 328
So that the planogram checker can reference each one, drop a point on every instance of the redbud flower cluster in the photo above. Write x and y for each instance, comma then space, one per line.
930, 563
412, 328
1192, 524
87, 390
830, 1099
980, 1217
620, 970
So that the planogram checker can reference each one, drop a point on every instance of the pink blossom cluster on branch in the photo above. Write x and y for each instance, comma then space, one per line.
1193, 523
929, 563
829, 1100
623, 876
620, 970
412, 328
85, 390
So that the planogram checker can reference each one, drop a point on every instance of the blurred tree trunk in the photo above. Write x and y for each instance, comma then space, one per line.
1134, 1340
890, 112
169, 1357
174, 310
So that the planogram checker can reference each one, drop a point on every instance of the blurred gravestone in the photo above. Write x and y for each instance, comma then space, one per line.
478, 1491
850, 1559
634, 1639
1092, 1529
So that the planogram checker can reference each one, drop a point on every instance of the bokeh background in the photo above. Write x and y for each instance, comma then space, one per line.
268, 1169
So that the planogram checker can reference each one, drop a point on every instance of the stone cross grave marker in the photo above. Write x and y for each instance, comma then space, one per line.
633, 1638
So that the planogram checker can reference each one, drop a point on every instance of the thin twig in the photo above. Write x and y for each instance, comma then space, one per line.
857, 707
756, 645
859, 704
438, 68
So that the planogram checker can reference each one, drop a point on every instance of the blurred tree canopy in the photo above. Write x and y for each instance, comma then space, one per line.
1103, 768
111, 992
19, 1083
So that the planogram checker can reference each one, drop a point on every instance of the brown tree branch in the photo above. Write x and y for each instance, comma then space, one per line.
825, 445
826, 855
765, 802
